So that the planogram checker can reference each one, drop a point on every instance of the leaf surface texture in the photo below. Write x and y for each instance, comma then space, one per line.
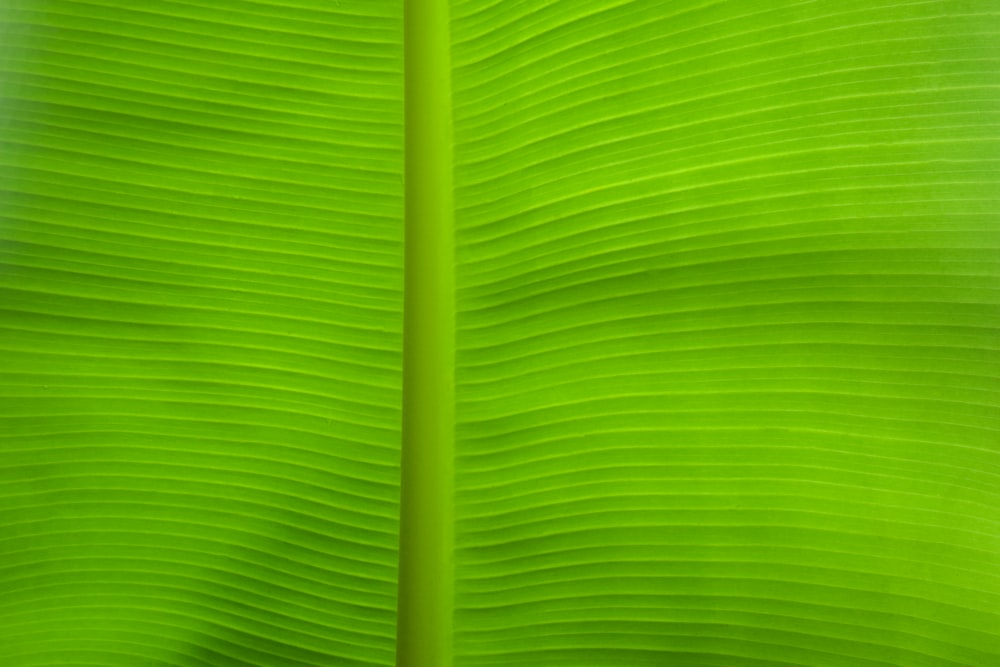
202, 292
727, 352
726, 363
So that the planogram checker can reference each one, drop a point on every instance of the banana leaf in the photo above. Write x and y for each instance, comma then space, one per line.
476, 333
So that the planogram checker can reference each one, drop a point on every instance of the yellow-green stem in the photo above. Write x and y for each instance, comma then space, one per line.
426, 539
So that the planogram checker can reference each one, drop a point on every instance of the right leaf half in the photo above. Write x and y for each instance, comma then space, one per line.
727, 373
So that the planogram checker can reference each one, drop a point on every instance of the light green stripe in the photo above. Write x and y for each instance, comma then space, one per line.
425, 575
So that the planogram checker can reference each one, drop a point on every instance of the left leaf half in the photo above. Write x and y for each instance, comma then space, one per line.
200, 331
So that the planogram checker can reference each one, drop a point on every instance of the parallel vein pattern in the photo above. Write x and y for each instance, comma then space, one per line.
727, 367
201, 280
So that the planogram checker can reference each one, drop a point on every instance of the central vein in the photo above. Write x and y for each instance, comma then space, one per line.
426, 519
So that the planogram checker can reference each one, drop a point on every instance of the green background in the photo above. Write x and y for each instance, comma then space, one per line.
701, 354
727, 352
201, 333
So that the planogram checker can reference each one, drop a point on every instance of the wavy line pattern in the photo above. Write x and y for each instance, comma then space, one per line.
201, 321
727, 372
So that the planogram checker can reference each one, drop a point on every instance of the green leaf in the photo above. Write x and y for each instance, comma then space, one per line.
201, 333
701, 353
727, 333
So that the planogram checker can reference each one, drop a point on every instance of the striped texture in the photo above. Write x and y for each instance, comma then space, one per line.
201, 294
727, 366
